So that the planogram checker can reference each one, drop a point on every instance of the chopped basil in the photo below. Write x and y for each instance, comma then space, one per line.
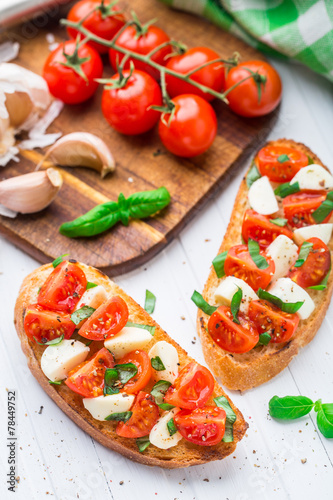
254, 251
285, 189
279, 221
323, 284
159, 390
81, 314
324, 209
165, 406
235, 304
200, 302
303, 253
252, 175
157, 364
289, 407
150, 302
288, 307
222, 402
142, 443
126, 371
310, 160
59, 260
283, 158
218, 264
91, 285
120, 417
264, 339
171, 427
56, 382
151, 329
56, 341
110, 378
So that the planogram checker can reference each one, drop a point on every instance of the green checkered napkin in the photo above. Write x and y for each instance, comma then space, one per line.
299, 29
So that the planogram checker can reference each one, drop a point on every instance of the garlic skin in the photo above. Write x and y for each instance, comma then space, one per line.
30, 193
82, 149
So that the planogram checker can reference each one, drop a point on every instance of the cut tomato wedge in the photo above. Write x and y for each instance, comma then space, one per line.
259, 228
299, 207
315, 267
42, 325
203, 426
142, 361
145, 414
106, 321
280, 163
269, 318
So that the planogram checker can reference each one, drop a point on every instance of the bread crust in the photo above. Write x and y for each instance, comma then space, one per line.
184, 454
248, 370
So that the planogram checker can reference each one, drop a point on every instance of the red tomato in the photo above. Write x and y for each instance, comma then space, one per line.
280, 171
203, 426
259, 228
269, 318
230, 336
192, 128
240, 264
244, 99
192, 388
100, 22
63, 288
128, 109
47, 325
316, 266
211, 76
131, 39
142, 361
87, 379
106, 321
64, 83
298, 207
145, 414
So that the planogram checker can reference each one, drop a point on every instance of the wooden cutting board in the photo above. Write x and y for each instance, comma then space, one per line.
142, 161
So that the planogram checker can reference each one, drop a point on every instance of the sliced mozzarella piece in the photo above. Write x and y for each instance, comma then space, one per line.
288, 291
321, 231
94, 297
284, 252
313, 177
128, 339
159, 435
227, 289
58, 360
169, 357
262, 198
102, 406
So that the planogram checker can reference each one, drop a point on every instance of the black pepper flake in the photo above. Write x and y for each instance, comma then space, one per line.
72, 261
40, 410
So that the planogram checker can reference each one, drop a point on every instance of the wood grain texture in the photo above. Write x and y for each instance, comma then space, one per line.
190, 182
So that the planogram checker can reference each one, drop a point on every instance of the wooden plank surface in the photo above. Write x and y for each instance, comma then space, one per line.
191, 182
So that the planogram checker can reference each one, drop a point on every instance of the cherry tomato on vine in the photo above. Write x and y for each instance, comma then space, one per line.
43, 325
298, 207
141, 40
203, 426
269, 318
191, 129
280, 163
145, 414
252, 98
259, 228
65, 83
315, 267
104, 22
127, 109
211, 76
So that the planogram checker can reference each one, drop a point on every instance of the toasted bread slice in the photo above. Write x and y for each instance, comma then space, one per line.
244, 371
184, 454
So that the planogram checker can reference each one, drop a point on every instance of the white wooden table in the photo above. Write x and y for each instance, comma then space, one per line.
56, 459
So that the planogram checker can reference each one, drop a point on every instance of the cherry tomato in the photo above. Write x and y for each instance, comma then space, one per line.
63, 288
142, 361
230, 336
131, 39
106, 321
259, 228
145, 414
298, 207
66, 84
245, 99
87, 379
47, 325
192, 128
203, 426
240, 264
192, 388
211, 76
128, 109
269, 318
316, 266
100, 22
280, 163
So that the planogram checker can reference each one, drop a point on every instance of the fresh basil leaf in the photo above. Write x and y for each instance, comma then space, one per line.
150, 302
264, 339
171, 427
323, 284
285, 189
200, 302
126, 371
56, 382
159, 390
218, 264
283, 158
91, 285
288, 307
96, 221
289, 407
279, 221
110, 378
324, 209
325, 419
157, 364
235, 304
143, 443
310, 160
252, 175
149, 328
166, 406
56, 341
254, 251
120, 417
59, 260
81, 314
146, 203
222, 402
303, 253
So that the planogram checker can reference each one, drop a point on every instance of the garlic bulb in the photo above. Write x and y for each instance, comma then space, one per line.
82, 149
32, 192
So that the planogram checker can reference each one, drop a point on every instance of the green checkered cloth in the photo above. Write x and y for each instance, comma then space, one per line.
298, 29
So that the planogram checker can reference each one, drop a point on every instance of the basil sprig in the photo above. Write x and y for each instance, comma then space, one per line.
222, 402
116, 377
101, 218
120, 417
218, 264
254, 251
150, 302
143, 443
157, 364
53, 342
323, 284
159, 390
81, 314
171, 427
149, 328
59, 260
283, 158
285, 189
200, 302
91, 285
288, 307
235, 304
252, 175
279, 221
303, 253
324, 209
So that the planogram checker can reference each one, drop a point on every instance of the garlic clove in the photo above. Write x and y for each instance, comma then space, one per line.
19, 107
82, 149
30, 193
